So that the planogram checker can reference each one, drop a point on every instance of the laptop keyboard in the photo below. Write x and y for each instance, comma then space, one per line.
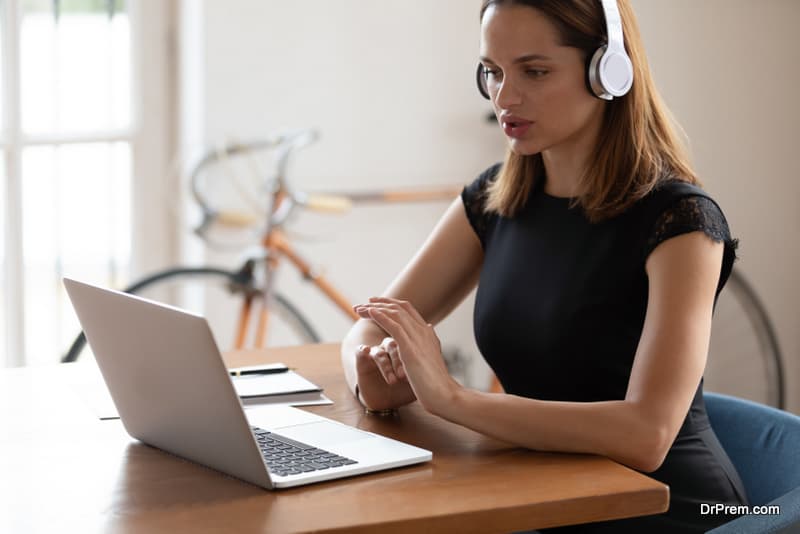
286, 456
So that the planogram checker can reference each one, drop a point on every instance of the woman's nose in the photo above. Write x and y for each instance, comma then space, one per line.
507, 94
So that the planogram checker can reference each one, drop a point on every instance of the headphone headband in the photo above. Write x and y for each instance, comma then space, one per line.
613, 25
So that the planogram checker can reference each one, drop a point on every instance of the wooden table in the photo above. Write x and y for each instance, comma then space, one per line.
62, 469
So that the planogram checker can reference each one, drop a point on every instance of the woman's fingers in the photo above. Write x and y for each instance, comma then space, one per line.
385, 357
394, 319
384, 363
404, 304
364, 363
369, 359
390, 346
402, 322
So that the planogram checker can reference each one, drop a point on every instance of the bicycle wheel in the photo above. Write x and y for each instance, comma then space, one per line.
218, 295
744, 357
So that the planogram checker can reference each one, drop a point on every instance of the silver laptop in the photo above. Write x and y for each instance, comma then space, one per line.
172, 391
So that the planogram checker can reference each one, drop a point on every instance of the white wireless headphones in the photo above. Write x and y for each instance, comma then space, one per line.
610, 72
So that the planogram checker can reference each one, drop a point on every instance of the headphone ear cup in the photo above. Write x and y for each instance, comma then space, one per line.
480, 78
610, 73
588, 78
593, 80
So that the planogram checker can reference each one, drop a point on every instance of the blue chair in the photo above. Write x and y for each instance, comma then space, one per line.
764, 445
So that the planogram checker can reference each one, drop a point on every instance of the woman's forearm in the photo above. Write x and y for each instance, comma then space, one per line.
615, 429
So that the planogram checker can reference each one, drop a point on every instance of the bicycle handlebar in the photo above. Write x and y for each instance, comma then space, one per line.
275, 184
282, 197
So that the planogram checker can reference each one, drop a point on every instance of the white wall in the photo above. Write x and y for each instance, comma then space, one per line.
390, 86
730, 69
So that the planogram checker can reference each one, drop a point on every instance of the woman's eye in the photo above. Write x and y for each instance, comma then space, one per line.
535, 73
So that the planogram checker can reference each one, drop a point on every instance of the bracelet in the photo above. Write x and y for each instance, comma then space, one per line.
369, 411
380, 413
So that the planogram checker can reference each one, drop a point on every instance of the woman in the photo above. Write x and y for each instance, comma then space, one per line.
597, 258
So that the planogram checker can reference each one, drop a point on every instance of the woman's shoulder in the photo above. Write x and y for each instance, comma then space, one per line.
478, 187
474, 198
673, 189
677, 207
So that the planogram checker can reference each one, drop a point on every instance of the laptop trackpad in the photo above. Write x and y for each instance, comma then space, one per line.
323, 433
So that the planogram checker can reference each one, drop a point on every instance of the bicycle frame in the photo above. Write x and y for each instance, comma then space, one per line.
274, 242
278, 247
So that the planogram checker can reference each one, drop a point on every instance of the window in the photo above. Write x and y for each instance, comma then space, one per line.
69, 147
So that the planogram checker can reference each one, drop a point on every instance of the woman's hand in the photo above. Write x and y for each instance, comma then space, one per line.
379, 372
364, 349
413, 351
384, 357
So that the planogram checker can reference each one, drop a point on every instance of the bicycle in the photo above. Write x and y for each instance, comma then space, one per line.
265, 203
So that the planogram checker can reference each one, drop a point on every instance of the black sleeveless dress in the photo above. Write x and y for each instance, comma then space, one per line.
559, 310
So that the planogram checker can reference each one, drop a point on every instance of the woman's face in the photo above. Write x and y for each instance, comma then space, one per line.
537, 86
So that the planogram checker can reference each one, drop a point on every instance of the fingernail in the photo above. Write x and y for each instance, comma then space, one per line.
362, 348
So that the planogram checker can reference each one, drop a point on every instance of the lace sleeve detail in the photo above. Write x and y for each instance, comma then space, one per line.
691, 214
474, 198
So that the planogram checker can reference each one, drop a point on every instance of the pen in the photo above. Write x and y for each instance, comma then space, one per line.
259, 370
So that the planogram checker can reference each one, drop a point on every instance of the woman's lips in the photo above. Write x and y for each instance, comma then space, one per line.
516, 128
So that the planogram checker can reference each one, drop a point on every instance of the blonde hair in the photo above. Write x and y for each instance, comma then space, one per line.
638, 146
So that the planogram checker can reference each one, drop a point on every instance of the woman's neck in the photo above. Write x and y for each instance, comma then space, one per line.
563, 173
566, 162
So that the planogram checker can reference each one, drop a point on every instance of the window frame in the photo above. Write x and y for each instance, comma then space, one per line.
150, 135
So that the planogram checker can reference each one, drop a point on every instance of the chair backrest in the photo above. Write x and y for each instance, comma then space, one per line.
762, 442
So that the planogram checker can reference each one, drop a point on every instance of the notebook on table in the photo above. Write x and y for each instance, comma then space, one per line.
172, 391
